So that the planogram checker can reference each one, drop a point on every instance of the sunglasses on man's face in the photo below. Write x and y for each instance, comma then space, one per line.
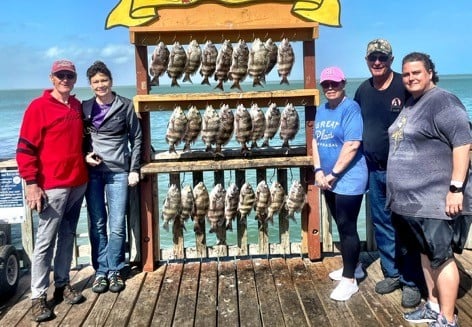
61, 76
330, 84
381, 58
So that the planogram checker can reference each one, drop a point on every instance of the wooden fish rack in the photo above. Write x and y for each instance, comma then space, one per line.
217, 22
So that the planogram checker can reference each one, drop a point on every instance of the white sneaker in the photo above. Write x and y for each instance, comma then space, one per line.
344, 290
338, 274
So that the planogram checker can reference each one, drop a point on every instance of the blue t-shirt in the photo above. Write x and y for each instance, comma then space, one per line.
333, 127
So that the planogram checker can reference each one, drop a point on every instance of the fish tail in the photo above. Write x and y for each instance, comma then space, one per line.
206, 81
174, 83
236, 85
284, 80
187, 147
187, 78
154, 81
219, 85
166, 226
229, 225
265, 144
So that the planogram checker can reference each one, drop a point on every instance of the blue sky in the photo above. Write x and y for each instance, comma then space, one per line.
35, 33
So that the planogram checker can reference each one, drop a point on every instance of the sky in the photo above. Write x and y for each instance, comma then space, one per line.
35, 33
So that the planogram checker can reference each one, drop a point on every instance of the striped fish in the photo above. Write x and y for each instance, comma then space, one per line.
194, 127
176, 128
177, 61
296, 199
247, 197
172, 206
242, 127
210, 126
226, 127
272, 118
289, 124
209, 54
194, 59
277, 200
159, 63
258, 61
239, 64
258, 124
262, 203
200, 208
223, 63
285, 60
231, 205
216, 210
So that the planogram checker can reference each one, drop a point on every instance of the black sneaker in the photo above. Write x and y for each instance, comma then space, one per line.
116, 283
411, 296
421, 315
68, 294
388, 285
40, 310
100, 284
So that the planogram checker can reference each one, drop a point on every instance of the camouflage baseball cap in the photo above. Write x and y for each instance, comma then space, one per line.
379, 45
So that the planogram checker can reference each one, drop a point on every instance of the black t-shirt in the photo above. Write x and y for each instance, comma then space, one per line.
379, 109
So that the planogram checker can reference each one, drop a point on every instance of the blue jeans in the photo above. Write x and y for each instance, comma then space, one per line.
108, 250
56, 229
395, 259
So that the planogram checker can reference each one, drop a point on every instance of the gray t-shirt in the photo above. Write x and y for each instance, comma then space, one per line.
420, 156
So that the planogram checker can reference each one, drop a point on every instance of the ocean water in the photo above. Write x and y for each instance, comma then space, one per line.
14, 102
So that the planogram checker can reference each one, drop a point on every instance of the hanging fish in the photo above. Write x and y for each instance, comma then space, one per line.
201, 205
258, 124
177, 61
272, 51
172, 206
216, 210
194, 59
176, 128
208, 67
186, 203
210, 126
272, 118
247, 197
231, 205
258, 62
262, 203
289, 124
296, 199
242, 127
194, 127
285, 60
277, 200
223, 63
226, 127
239, 64
159, 63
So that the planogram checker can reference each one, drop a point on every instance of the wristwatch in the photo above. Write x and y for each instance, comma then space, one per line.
455, 189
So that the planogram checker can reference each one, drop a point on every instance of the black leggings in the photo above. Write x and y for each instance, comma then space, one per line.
345, 211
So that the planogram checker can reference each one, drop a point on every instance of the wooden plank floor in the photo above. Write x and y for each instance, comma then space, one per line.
246, 292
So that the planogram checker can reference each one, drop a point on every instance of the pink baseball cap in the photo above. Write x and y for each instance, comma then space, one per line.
63, 64
334, 74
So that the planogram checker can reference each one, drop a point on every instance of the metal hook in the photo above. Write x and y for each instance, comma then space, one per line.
272, 177
291, 174
304, 103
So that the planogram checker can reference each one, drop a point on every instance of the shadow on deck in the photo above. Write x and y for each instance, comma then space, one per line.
245, 292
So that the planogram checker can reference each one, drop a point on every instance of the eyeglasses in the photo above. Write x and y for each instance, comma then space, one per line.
381, 58
328, 84
61, 76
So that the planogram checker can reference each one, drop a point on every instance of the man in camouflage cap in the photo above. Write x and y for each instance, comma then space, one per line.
381, 98
379, 45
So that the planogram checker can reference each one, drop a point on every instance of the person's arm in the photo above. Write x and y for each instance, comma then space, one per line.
348, 152
320, 178
460, 167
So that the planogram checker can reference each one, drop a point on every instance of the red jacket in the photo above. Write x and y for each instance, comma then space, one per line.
49, 150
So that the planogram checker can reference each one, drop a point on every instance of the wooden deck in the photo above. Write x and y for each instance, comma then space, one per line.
245, 292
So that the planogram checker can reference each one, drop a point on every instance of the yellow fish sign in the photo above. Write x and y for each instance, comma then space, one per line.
139, 12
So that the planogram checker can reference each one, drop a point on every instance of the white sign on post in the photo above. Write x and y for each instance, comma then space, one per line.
12, 203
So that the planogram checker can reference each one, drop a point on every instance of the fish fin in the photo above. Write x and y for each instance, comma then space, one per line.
166, 226
265, 144
229, 225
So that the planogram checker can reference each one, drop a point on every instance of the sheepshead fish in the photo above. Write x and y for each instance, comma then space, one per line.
262, 203
223, 63
177, 61
247, 197
296, 199
186, 202
277, 200
242, 126
272, 119
194, 59
239, 64
289, 124
194, 127
258, 124
231, 205
210, 126
159, 63
201, 204
225, 130
172, 206
176, 128
258, 61
285, 60
216, 210
272, 49
209, 54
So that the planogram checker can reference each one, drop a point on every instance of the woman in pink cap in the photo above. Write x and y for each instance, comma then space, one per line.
341, 173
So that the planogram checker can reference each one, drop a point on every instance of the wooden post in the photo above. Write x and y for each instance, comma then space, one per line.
310, 215
263, 230
177, 227
221, 249
200, 239
284, 232
242, 227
